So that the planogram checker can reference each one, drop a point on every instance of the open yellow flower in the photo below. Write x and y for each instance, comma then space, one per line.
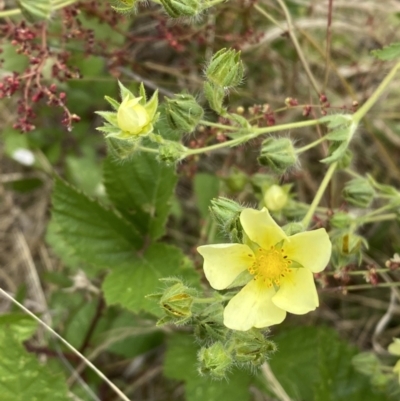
282, 268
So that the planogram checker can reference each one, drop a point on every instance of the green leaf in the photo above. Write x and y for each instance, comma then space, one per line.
141, 189
97, 235
23, 378
128, 286
180, 364
313, 363
21, 325
388, 52
206, 187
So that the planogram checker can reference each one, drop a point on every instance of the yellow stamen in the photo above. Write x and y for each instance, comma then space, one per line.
270, 266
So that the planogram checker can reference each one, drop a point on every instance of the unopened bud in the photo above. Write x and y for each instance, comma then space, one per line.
170, 152
278, 154
225, 69
183, 113
226, 213
236, 181
275, 198
251, 347
214, 360
176, 301
341, 220
215, 96
293, 228
358, 192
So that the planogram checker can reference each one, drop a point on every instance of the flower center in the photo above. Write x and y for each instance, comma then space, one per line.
270, 266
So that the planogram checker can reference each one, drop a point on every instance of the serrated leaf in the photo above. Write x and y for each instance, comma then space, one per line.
180, 363
128, 286
141, 189
23, 378
97, 235
336, 120
388, 52
314, 364
340, 134
21, 325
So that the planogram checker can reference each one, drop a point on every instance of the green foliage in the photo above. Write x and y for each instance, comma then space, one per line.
180, 364
21, 325
314, 364
129, 285
23, 378
206, 187
141, 189
390, 52
98, 236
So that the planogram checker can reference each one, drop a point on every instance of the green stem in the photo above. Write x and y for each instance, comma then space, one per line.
363, 110
216, 125
358, 272
366, 286
318, 196
382, 217
211, 300
255, 133
10, 13
311, 145
267, 15
64, 4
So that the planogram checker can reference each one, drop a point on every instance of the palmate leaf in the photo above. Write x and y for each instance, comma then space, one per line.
314, 364
96, 235
141, 189
23, 378
181, 364
128, 286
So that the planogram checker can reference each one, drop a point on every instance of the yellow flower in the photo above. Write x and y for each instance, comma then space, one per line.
134, 118
282, 268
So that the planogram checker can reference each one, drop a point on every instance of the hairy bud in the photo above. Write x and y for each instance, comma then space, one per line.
359, 192
214, 360
278, 154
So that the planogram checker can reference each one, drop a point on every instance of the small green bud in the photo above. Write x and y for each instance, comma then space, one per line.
214, 361
226, 213
278, 154
171, 152
359, 192
250, 347
236, 181
181, 8
366, 363
275, 198
183, 113
341, 220
176, 301
225, 69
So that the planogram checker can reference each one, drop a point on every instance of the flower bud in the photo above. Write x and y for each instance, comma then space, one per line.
250, 347
341, 220
275, 198
134, 117
210, 325
226, 213
278, 154
176, 301
358, 192
214, 361
236, 181
293, 228
170, 152
181, 8
225, 69
183, 113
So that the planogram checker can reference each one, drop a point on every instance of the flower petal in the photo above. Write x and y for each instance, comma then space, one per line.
312, 249
261, 228
297, 293
224, 262
252, 307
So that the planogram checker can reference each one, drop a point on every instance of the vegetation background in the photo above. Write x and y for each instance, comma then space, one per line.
54, 76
